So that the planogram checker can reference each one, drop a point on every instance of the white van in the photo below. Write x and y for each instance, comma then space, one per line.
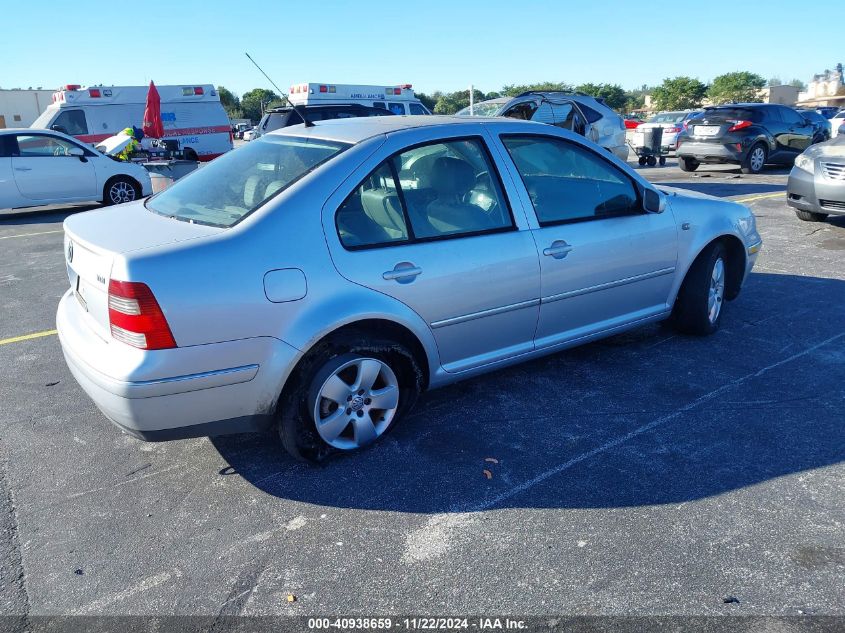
397, 99
192, 115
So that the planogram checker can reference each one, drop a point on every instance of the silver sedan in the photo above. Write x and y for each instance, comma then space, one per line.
319, 279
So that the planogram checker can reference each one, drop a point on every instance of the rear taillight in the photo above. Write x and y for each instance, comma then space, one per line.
739, 125
671, 130
136, 318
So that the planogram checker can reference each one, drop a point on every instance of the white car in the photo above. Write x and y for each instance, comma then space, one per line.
249, 134
837, 120
40, 167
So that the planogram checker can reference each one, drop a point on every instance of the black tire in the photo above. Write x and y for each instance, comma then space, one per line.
746, 166
662, 161
121, 189
691, 314
642, 161
809, 216
652, 161
190, 154
295, 421
687, 164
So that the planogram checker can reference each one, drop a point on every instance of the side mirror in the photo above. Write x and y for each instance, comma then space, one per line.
653, 201
58, 128
76, 151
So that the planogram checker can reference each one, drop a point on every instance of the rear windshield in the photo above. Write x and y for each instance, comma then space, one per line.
736, 114
232, 186
667, 117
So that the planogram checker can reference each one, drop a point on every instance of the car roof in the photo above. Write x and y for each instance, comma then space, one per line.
355, 130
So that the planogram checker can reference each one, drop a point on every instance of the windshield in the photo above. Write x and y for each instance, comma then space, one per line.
231, 187
43, 119
482, 109
667, 117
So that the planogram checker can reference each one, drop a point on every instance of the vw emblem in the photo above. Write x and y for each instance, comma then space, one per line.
70, 252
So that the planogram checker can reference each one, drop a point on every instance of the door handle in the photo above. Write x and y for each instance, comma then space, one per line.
404, 273
23, 168
559, 249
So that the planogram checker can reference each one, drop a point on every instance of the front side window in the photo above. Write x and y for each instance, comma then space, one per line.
232, 186
523, 111
71, 122
569, 183
39, 145
416, 108
790, 116
433, 191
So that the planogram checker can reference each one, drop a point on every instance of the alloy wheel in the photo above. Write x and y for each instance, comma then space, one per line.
758, 158
716, 295
121, 191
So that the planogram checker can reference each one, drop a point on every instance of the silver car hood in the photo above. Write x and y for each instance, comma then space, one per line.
686, 193
130, 227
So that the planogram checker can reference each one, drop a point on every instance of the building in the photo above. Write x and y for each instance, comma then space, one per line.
19, 108
825, 89
783, 94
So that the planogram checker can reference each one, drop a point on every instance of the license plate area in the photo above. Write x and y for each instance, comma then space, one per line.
79, 292
707, 130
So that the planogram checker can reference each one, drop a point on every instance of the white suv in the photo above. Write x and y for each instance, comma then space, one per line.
580, 113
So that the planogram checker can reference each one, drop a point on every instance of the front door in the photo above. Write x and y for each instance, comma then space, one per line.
431, 227
44, 170
604, 261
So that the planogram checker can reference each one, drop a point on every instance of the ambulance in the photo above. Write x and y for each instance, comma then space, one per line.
191, 115
398, 99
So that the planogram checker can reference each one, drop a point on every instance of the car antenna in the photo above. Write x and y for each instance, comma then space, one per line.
296, 109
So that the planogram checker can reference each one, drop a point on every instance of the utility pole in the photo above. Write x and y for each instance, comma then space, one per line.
471, 100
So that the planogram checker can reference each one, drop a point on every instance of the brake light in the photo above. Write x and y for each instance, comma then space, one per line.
136, 318
94, 92
739, 125
671, 130
72, 87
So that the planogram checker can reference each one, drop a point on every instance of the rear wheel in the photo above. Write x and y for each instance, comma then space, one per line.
754, 160
120, 190
662, 161
642, 161
652, 161
687, 164
698, 308
353, 390
809, 216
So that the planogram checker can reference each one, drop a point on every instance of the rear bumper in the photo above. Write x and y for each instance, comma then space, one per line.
710, 152
215, 389
807, 192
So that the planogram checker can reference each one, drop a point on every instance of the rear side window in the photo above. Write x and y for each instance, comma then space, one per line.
232, 186
396, 108
569, 183
592, 115
434, 191
71, 122
524, 111
380, 104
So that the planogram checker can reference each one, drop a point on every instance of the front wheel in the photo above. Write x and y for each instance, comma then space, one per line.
353, 391
754, 160
809, 216
120, 190
698, 308
687, 164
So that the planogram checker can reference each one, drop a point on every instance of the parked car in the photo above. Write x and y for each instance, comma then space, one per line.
672, 123
836, 122
816, 186
249, 134
329, 274
746, 134
631, 123
38, 167
827, 111
240, 128
821, 124
277, 118
576, 112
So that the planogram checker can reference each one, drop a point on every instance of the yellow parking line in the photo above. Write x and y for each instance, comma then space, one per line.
762, 197
8, 237
26, 337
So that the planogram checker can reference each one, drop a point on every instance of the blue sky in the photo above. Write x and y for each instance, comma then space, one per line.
433, 44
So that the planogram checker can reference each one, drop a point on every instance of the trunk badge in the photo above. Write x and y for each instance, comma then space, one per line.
70, 253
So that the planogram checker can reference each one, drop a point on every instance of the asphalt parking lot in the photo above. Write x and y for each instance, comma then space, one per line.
650, 473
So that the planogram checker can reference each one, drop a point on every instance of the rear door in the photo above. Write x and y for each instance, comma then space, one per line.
797, 133
432, 226
45, 171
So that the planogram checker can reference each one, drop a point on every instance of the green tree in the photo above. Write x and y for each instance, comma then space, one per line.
613, 95
512, 90
429, 101
678, 93
774, 81
254, 102
228, 98
741, 86
798, 84
454, 101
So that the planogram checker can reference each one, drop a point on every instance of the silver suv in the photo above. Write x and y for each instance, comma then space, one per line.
577, 112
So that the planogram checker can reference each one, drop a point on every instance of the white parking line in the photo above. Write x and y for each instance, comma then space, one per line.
504, 496
8, 237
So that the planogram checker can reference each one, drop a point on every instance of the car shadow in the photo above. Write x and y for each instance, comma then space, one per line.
646, 417
42, 215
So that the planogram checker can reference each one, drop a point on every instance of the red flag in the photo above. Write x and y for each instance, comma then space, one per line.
153, 126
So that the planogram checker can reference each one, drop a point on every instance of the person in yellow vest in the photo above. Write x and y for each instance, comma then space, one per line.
131, 147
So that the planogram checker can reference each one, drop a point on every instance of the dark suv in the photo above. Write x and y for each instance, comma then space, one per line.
746, 134
277, 118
